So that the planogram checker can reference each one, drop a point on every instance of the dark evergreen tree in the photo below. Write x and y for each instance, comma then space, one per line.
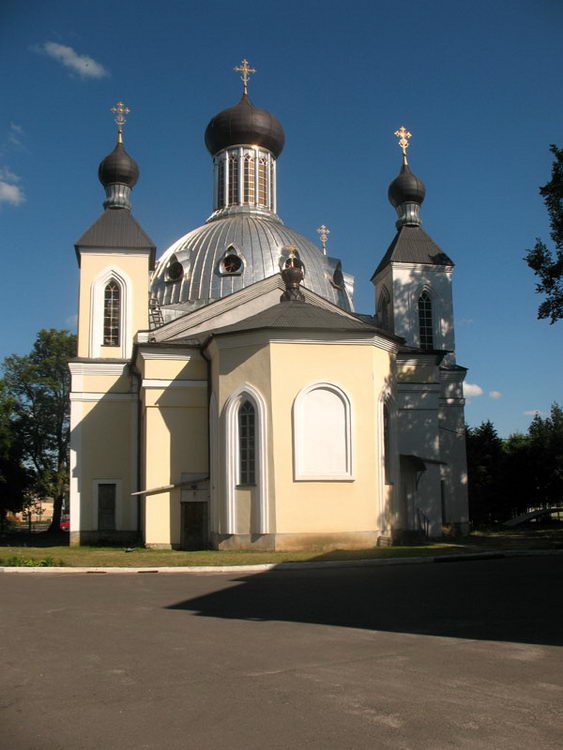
485, 468
548, 265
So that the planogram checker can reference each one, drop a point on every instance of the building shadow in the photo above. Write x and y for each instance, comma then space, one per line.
513, 599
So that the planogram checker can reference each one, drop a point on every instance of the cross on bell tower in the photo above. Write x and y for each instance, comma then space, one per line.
246, 71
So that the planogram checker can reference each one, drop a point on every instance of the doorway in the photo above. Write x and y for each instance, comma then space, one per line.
195, 532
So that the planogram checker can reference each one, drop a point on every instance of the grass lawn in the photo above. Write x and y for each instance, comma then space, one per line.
147, 558
37, 549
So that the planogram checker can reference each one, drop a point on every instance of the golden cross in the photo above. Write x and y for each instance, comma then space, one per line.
324, 232
404, 136
119, 111
245, 69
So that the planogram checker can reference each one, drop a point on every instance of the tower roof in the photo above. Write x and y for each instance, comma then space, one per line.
411, 244
244, 124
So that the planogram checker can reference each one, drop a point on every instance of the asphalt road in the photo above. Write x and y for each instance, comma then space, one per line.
419, 657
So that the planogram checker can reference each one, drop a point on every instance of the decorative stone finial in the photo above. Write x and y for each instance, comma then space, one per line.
246, 70
292, 275
323, 232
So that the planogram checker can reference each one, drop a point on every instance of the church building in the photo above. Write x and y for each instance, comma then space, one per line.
229, 396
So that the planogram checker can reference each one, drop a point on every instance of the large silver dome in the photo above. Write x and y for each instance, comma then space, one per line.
232, 252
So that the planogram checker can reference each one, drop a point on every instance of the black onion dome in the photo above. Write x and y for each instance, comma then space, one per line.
118, 167
406, 188
244, 124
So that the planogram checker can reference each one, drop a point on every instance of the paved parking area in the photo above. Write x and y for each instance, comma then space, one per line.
414, 657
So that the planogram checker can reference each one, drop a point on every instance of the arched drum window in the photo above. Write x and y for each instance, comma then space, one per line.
112, 314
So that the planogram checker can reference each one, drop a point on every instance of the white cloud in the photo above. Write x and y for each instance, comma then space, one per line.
470, 389
85, 66
8, 176
71, 321
532, 412
495, 394
11, 193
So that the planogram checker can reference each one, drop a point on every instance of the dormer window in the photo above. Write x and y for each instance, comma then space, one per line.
175, 269
232, 264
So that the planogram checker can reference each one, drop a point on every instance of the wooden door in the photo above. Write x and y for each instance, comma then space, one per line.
194, 525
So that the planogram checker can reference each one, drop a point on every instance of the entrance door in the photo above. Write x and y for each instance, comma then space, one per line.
194, 525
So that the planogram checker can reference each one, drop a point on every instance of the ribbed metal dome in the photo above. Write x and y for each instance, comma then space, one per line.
244, 124
259, 243
406, 188
118, 168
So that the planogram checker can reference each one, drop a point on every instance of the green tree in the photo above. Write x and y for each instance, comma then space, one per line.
548, 265
39, 384
546, 458
484, 469
15, 478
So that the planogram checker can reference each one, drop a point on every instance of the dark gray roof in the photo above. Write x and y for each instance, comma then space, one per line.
299, 315
412, 245
116, 228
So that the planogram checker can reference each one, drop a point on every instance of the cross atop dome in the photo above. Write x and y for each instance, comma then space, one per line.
323, 232
246, 71
120, 110
404, 137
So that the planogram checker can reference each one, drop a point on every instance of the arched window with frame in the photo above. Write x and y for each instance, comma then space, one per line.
112, 314
425, 327
233, 180
384, 310
246, 444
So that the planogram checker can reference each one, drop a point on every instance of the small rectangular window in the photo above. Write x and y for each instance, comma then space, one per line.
106, 506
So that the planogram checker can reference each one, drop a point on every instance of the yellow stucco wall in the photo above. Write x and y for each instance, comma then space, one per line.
91, 265
107, 451
175, 440
328, 506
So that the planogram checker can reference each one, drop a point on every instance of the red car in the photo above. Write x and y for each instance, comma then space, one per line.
65, 524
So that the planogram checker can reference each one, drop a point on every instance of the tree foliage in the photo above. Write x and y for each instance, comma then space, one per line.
15, 478
548, 265
39, 386
523, 472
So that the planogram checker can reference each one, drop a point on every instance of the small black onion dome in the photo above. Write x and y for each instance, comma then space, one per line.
118, 167
406, 188
244, 124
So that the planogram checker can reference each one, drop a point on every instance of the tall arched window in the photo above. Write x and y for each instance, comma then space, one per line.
425, 321
386, 444
247, 444
384, 310
262, 198
233, 180
112, 314
221, 184
249, 179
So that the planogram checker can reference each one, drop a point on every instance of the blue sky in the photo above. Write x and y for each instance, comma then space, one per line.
478, 84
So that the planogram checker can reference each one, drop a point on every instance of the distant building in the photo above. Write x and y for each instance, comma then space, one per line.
229, 396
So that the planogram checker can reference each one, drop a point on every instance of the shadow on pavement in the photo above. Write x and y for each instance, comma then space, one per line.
514, 599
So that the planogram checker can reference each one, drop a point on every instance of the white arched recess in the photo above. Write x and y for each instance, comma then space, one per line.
213, 462
111, 273
386, 400
234, 402
323, 433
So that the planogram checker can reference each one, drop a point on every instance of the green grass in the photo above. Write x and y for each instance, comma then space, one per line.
41, 554
148, 558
